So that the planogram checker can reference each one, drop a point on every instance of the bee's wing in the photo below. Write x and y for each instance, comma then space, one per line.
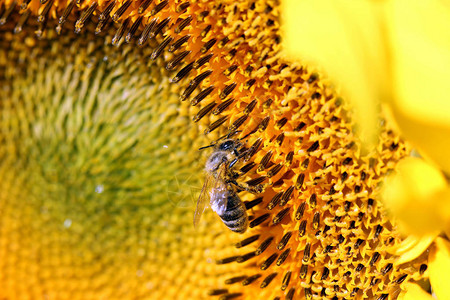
202, 199
220, 200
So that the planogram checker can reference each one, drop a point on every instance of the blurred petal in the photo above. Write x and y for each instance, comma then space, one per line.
412, 247
416, 196
432, 139
421, 58
382, 50
420, 47
414, 292
346, 39
439, 267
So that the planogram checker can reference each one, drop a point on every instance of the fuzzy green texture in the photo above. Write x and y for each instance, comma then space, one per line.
99, 174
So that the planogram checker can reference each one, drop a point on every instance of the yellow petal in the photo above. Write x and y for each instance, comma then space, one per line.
439, 267
432, 139
412, 247
420, 63
414, 292
382, 50
421, 58
417, 196
346, 39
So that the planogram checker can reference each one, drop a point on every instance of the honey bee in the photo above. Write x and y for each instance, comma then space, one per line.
220, 187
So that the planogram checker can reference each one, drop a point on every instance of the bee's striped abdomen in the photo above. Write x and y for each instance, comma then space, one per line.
235, 216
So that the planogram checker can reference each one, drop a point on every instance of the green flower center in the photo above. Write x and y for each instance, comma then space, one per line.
99, 172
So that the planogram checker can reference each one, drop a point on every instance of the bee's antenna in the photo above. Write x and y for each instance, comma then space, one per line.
212, 145
227, 136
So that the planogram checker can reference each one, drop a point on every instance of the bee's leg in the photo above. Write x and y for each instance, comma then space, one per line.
233, 162
245, 187
232, 176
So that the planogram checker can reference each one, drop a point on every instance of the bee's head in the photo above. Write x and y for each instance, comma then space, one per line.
229, 145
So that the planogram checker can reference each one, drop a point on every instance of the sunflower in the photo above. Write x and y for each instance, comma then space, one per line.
104, 105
